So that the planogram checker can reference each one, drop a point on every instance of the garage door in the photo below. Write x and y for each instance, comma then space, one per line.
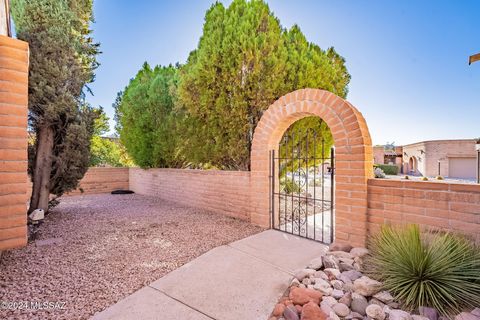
462, 168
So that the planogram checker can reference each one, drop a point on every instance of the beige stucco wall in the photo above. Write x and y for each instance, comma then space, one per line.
429, 153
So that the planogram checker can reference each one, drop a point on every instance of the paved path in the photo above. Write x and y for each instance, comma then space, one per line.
242, 280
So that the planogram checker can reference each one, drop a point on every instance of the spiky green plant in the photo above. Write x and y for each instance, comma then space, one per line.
434, 269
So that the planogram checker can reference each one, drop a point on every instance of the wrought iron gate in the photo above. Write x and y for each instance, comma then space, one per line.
302, 186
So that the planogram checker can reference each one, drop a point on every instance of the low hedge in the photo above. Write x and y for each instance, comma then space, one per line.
387, 168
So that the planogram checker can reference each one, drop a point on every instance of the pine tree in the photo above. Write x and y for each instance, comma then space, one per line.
147, 119
62, 61
245, 61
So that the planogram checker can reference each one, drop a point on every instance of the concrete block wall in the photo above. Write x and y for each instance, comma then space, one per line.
13, 142
448, 206
224, 192
102, 180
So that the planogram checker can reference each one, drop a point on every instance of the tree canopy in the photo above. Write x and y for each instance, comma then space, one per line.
245, 60
147, 122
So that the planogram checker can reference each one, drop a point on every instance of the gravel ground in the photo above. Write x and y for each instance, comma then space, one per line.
94, 250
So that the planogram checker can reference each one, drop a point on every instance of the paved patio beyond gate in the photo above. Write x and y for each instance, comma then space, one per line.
241, 280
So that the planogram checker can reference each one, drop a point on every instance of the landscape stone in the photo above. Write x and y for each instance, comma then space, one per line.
428, 312
299, 308
346, 299
316, 264
348, 287
399, 315
366, 286
321, 284
341, 310
345, 266
326, 308
375, 312
337, 294
466, 316
330, 262
335, 246
356, 315
294, 283
311, 311
302, 296
359, 252
344, 278
352, 275
303, 273
320, 274
336, 284
330, 300
290, 313
332, 273
341, 255
377, 302
384, 296
359, 304
278, 310
333, 316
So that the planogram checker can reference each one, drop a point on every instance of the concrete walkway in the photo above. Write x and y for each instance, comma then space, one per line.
241, 280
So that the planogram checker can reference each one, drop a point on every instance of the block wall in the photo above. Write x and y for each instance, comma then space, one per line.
13, 142
448, 206
224, 192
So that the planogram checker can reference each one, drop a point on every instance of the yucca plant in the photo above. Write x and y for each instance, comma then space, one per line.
435, 269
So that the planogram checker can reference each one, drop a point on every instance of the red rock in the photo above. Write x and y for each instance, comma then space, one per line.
302, 296
311, 311
272, 318
288, 303
299, 308
278, 310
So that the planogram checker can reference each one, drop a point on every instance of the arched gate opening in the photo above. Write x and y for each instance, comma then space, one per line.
353, 158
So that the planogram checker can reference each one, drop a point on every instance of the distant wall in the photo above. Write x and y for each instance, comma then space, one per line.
98, 180
13, 142
102, 180
225, 192
448, 206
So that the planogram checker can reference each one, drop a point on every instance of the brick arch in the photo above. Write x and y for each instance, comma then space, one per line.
353, 153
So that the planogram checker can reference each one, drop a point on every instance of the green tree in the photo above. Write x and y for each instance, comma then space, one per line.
106, 151
147, 117
245, 61
237, 70
62, 62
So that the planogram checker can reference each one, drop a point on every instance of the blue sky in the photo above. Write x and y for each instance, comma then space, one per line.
408, 59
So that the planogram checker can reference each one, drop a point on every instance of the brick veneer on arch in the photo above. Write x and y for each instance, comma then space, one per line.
13, 142
353, 157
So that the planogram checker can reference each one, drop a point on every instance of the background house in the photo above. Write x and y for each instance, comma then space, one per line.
448, 158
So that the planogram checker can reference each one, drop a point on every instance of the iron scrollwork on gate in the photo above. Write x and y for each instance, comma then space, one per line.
302, 186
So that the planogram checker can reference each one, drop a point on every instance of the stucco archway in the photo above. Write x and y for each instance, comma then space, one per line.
354, 157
